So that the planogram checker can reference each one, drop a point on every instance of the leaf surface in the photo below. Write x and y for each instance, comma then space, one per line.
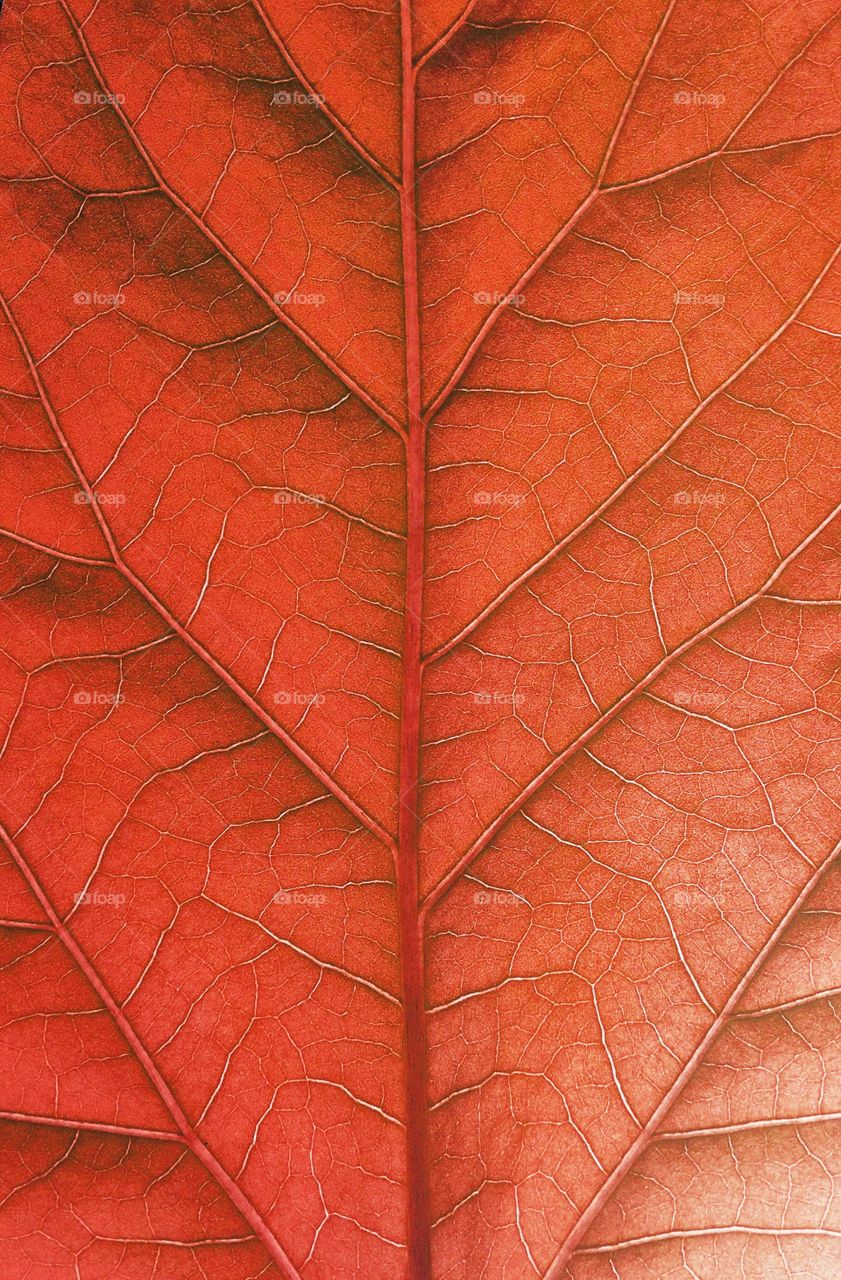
419, 787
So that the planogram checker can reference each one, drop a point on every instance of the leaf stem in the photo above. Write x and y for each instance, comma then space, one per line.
411, 942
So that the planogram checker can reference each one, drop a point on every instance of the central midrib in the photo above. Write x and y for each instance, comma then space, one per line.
411, 942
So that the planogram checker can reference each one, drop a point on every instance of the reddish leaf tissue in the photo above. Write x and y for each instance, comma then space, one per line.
419, 673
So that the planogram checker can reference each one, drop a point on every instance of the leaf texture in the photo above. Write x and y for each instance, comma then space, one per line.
420, 578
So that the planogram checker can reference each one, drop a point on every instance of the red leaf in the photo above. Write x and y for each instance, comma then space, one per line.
420, 772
